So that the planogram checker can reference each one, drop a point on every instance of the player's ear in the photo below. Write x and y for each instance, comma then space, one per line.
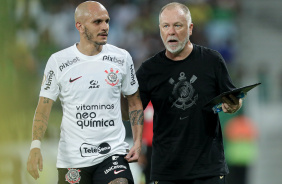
79, 27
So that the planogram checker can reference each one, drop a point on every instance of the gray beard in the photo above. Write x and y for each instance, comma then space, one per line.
179, 48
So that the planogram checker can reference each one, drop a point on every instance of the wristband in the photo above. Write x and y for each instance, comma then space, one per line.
35, 144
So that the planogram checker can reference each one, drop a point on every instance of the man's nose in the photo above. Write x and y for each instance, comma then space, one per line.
105, 26
171, 30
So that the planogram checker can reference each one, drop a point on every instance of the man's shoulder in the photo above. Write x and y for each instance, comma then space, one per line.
115, 50
206, 51
153, 59
64, 55
148, 67
65, 51
64, 58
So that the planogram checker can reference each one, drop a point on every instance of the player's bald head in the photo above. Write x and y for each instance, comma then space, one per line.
85, 9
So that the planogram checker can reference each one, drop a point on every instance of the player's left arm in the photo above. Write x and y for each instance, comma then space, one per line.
231, 104
124, 108
136, 117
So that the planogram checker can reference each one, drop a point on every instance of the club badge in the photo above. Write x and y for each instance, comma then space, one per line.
112, 78
73, 176
183, 92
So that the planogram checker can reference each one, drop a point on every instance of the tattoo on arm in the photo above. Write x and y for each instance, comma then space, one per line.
46, 100
43, 118
38, 132
138, 150
119, 181
40, 125
136, 117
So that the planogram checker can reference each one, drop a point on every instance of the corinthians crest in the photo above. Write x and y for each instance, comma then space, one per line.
112, 78
73, 176
183, 92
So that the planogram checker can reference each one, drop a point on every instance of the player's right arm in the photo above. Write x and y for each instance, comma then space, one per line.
39, 127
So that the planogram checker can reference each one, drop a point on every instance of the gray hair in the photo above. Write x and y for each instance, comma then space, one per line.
183, 7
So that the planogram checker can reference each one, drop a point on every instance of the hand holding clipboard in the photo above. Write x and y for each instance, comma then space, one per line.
238, 92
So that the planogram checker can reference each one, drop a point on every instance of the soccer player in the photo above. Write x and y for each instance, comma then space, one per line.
89, 78
179, 81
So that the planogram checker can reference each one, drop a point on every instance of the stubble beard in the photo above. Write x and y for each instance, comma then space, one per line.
89, 36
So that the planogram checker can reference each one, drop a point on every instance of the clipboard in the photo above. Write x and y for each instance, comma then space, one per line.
238, 92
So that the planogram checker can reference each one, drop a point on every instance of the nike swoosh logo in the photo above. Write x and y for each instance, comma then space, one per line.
116, 172
72, 80
182, 118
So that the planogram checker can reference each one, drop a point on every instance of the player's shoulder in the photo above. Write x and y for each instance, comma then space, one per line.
65, 55
116, 55
116, 50
64, 58
64, 52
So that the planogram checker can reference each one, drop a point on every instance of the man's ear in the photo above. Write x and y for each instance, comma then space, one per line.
79, 27
191, 29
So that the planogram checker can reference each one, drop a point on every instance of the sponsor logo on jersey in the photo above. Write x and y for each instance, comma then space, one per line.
72, 80
112, 78
93, 84
49, 79
133, 81
182, 118
114, 168
115, 157
68, 63
89, 150
87, 118
95, 107
73, 176
93, 123
117, 172
113, 59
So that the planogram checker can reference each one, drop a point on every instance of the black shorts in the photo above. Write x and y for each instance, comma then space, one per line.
110, 169
207, 180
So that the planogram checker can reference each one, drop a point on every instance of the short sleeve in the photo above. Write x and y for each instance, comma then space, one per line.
144, 94
224, 80
50, 87
129, 83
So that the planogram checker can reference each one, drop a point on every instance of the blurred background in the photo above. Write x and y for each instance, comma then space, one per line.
246, 33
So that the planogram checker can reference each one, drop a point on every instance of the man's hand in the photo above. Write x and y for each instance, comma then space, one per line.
231, 104
134, 152
34, 162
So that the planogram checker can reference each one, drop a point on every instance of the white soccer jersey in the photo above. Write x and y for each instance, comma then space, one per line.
89, 88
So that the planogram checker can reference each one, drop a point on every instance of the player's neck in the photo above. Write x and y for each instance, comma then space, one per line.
181, 55
88, 48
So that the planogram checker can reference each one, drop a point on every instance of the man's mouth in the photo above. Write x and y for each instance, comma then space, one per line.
102, 34
172, 42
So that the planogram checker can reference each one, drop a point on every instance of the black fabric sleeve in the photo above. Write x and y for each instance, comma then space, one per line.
224, 80
142, 80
